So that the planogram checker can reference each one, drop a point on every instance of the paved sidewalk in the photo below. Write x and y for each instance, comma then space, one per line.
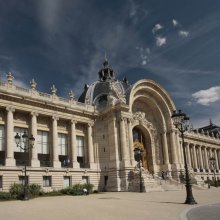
107, 206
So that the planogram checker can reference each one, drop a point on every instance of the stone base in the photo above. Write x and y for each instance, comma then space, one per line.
57, 164
35, 163
76, 165
93, 166
10, 162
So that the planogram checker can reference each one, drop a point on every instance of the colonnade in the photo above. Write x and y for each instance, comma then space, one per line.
10, 160
198, 157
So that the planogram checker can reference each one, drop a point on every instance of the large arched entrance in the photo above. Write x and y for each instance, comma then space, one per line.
141, 139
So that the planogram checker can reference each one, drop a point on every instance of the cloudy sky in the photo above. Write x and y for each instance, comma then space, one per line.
63, 42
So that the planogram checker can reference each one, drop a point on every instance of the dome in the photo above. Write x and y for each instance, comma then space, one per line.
97, 93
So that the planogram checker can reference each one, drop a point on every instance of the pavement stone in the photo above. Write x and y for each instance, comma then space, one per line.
109, 206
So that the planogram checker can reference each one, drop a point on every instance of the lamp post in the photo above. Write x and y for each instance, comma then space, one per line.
25, 143
181, 122
213, 164
138, 152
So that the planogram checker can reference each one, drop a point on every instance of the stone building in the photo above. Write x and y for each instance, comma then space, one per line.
92, 139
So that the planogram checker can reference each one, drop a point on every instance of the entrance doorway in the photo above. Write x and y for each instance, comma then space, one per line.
141, 140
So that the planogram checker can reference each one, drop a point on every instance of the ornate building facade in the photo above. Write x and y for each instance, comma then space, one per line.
93, 139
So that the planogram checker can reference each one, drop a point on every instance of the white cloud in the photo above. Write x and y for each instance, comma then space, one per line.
183, 33
160, 41
144, 54
144, 62
175, 22
156, 28
205, 97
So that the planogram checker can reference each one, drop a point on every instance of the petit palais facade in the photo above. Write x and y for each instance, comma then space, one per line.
92, 140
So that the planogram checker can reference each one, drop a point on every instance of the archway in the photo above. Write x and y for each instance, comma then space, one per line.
141, 139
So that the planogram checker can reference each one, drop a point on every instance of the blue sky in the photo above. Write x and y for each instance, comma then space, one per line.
63, 42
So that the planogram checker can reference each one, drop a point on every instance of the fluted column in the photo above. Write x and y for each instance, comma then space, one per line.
131, 144
10, 161
195, 157
200, 158
206, 159
90, 146
56, 162
188, 154
123, 142
34, 154
173, 147
165, 148
210, 155
216, 160
73, 144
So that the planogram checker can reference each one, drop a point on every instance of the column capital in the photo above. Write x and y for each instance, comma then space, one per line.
122, 118
55, 117
91, 124
186, 143
34, 113
73, 121
10, 109
130, 120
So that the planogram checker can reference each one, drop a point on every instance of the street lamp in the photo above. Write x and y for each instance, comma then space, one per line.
25, 143
138, 153
213, 164
181, 122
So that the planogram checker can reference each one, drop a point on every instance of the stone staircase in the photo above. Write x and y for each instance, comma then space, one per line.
171, 185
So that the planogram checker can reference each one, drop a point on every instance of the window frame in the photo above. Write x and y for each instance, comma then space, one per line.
63, 144
43, 147
2, 138
45, 179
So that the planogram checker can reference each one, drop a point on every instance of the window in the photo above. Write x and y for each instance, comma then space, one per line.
21, 179
46, 181
2, 135
66, 181
20, 132
1, 182
62, 138
80, 150
42, 142
85, 180
80, 146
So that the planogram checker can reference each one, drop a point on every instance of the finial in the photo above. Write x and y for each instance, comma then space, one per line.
53, 90
10, 78
71, 94
105, 63
210, 122
125, 80
33, 84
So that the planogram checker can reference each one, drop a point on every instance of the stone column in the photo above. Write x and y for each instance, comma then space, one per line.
165, 148
200, 158
173, 147
188, 154
218, 155
73, 144
195, 157
10, 142
210, 155
123, 142
56, 162
206, 159
34, 154
131, 147
216, 160
90, 147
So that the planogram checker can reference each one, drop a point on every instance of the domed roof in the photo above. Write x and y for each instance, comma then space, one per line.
97, 93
